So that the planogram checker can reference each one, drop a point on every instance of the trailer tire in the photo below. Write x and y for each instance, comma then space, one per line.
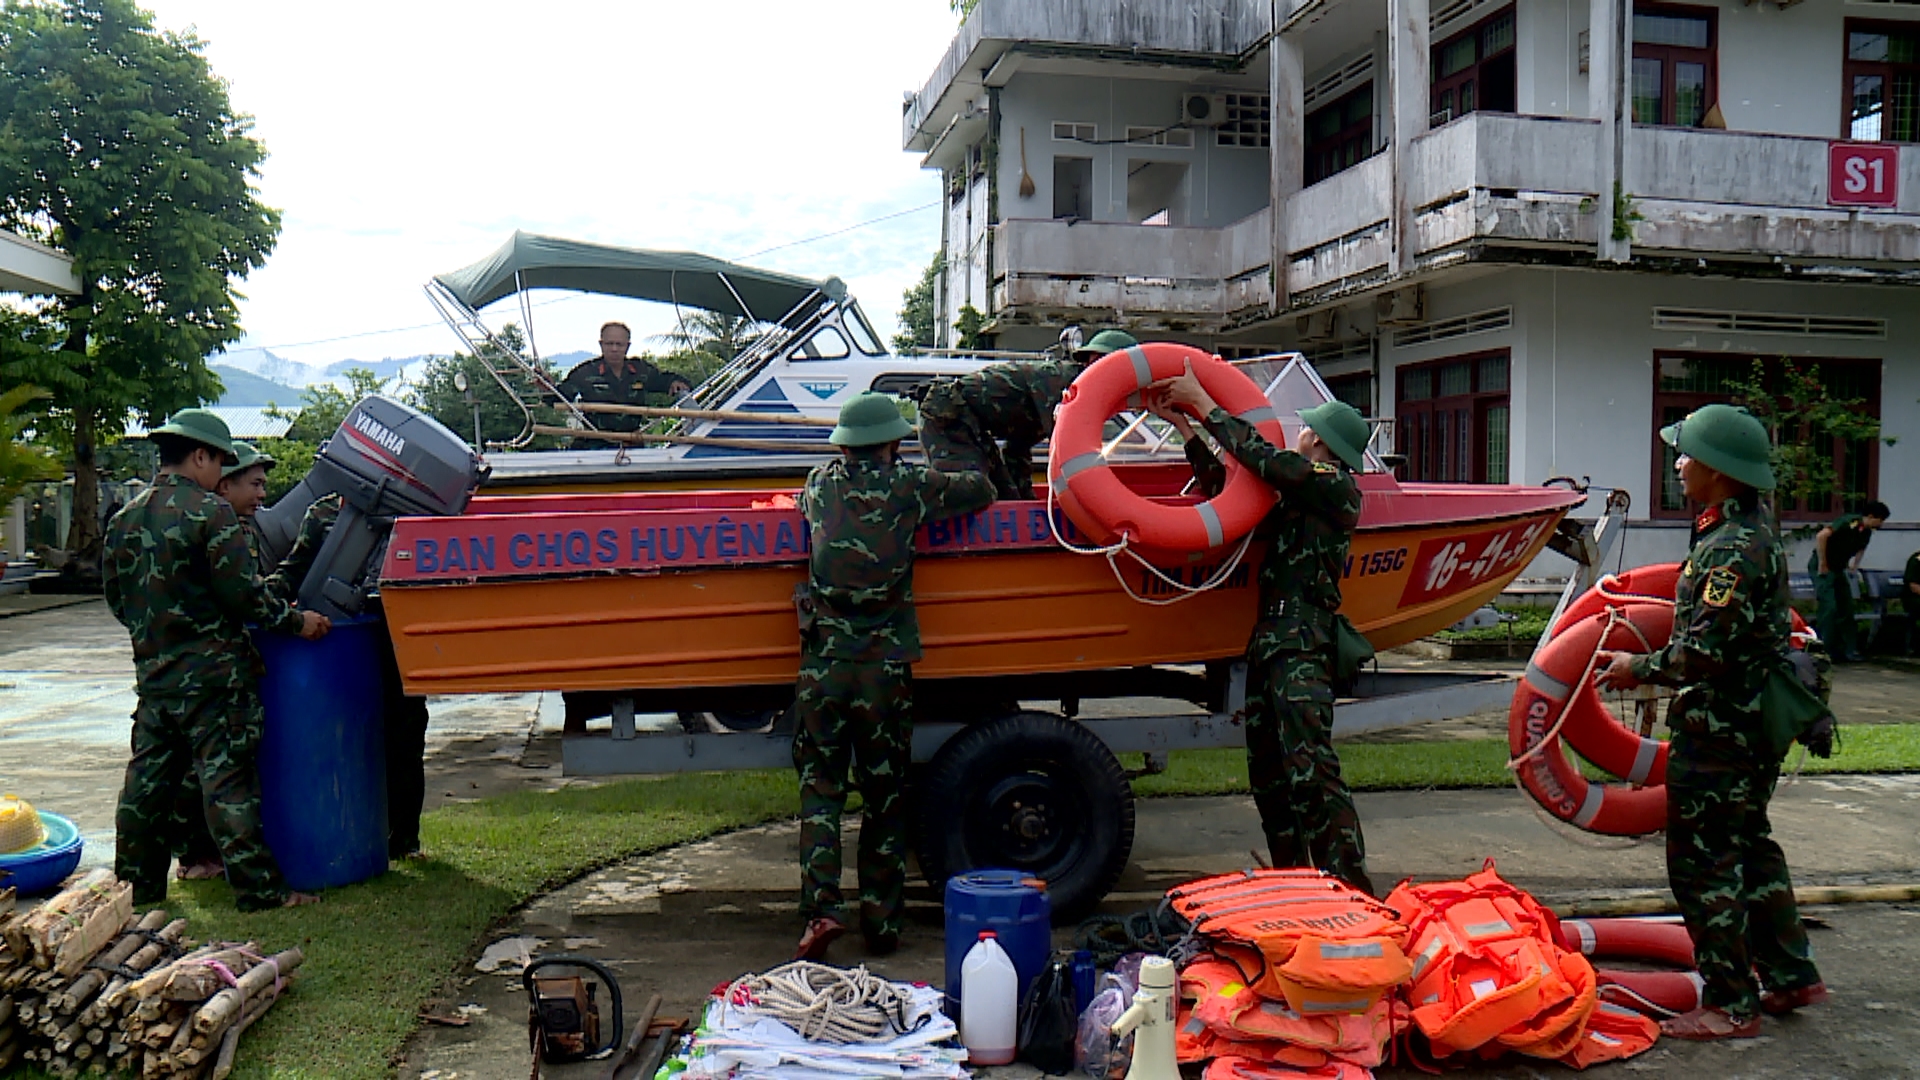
1034, 792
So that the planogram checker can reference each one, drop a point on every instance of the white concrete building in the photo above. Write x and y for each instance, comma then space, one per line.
27, 267
1526, 231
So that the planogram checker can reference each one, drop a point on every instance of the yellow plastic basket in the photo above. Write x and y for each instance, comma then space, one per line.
20, 825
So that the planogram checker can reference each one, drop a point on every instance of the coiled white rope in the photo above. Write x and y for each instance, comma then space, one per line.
825, 1003
1112, 552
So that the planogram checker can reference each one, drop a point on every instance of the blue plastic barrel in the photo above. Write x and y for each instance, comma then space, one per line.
323, 763
1010, 903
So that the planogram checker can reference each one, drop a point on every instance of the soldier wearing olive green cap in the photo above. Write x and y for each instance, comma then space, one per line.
1306, 809
1730, 625
853, 703
962, 418
179, 575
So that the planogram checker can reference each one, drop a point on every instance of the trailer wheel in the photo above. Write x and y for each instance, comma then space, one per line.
1034, 792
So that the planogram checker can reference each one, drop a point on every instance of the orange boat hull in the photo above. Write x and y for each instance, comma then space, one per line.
589, 622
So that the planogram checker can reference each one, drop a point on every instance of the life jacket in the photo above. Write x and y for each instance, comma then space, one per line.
1488, 969
1221, 1015
1239, 1068
1613, 1033
1320, 945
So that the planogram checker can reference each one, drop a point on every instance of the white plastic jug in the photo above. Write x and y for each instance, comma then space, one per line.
989, 992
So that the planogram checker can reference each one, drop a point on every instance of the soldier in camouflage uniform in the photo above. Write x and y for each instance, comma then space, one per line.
1305, 807
244, 485
961, 418
853, 703
1730, 627
179, 575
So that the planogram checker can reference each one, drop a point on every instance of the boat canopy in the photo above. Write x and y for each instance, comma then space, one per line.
669, 277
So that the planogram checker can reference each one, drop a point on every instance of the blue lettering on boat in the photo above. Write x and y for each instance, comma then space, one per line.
577, 548
480, 552
753, 538
549, 543
783, 539
606, 546
726, 539
455, 559
1006, 526
673, 544
977, 530
1037, 523
700, 533
426, 556
640, 540
939, 534
519, 550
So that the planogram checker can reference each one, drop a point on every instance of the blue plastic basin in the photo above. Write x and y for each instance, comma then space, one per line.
42, 867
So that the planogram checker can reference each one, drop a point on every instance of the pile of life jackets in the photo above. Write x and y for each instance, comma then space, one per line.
1296, 975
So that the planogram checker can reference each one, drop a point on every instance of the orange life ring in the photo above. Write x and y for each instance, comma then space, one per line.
1653, 993
1631, 612
1105, 508
1664, 942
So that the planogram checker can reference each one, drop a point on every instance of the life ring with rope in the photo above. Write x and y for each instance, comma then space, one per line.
1102, 505
1558, 699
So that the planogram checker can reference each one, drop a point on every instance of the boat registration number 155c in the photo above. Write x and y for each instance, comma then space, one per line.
1453, 564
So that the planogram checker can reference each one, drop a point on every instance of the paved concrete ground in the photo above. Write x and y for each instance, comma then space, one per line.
684, 920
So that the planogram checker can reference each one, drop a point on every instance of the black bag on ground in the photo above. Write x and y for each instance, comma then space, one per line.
1048, 1021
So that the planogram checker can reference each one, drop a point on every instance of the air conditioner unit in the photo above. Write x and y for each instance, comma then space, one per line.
1316, 327
1399, 308
1203, 110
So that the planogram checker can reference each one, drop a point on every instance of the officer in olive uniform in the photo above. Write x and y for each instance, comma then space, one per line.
1730, 627
1305, 807
853, 703
244, 485
179, 575
962, 417
615, 378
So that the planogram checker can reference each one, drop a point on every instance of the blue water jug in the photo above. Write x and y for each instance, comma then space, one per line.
323, 765
1010, 903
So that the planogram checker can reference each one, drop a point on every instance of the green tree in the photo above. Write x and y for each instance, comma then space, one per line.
322, 409
21, 462
963, 8
1803, 416
502, 417
706, 340
118, 146
968, 326
916, 310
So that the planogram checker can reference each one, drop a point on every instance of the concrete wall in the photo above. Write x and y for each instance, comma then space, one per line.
1224, 183
1547, 34
1582, 385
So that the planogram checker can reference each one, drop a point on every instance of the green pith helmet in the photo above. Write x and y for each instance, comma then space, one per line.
248, 456
870, 419
1342, 428
1727, 440
1104, 342
202, 427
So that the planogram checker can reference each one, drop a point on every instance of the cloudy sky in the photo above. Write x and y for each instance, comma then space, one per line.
411, 137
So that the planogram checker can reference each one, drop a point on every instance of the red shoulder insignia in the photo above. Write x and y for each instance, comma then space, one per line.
1708, 518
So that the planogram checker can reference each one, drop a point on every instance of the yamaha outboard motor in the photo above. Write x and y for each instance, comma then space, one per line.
386, 461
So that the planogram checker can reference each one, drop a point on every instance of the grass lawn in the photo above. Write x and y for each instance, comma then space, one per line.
376, 951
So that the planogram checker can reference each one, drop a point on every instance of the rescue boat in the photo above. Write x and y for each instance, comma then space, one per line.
665, 590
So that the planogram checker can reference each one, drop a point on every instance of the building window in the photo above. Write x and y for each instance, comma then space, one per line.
1674, 80
1073, 188
1340, 135
1355, 390
1451, 420
1475, 69
1685, 381
1249, 121
1067, 131
1882, 75
1181, 138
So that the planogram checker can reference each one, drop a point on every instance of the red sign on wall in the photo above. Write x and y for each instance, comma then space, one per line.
1863, 174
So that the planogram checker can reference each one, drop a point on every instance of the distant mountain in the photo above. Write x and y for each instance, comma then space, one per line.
567, 360
267, 365
385, 368
245, 388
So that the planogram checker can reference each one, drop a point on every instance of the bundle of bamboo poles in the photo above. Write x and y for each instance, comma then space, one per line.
144, 1001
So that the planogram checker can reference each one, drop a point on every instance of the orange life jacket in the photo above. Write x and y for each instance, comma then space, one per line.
1239, 1068
1488, 968
1613, 1033
1322, 946
1221, 1015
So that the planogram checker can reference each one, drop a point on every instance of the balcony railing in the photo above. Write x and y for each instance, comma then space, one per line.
1200, 277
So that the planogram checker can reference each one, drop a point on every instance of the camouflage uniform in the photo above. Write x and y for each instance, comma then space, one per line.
853, 703
962, 417
179, 575
1728, 875
404, 720
1305, 807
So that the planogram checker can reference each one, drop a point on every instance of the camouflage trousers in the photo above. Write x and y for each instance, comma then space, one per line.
954, 439
1729, 876
1305, 807
853, 730
216, 738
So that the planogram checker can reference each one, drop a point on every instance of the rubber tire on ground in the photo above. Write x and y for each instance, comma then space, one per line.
1043, 771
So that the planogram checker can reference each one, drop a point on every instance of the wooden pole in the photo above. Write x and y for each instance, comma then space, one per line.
641, 439
705, 414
